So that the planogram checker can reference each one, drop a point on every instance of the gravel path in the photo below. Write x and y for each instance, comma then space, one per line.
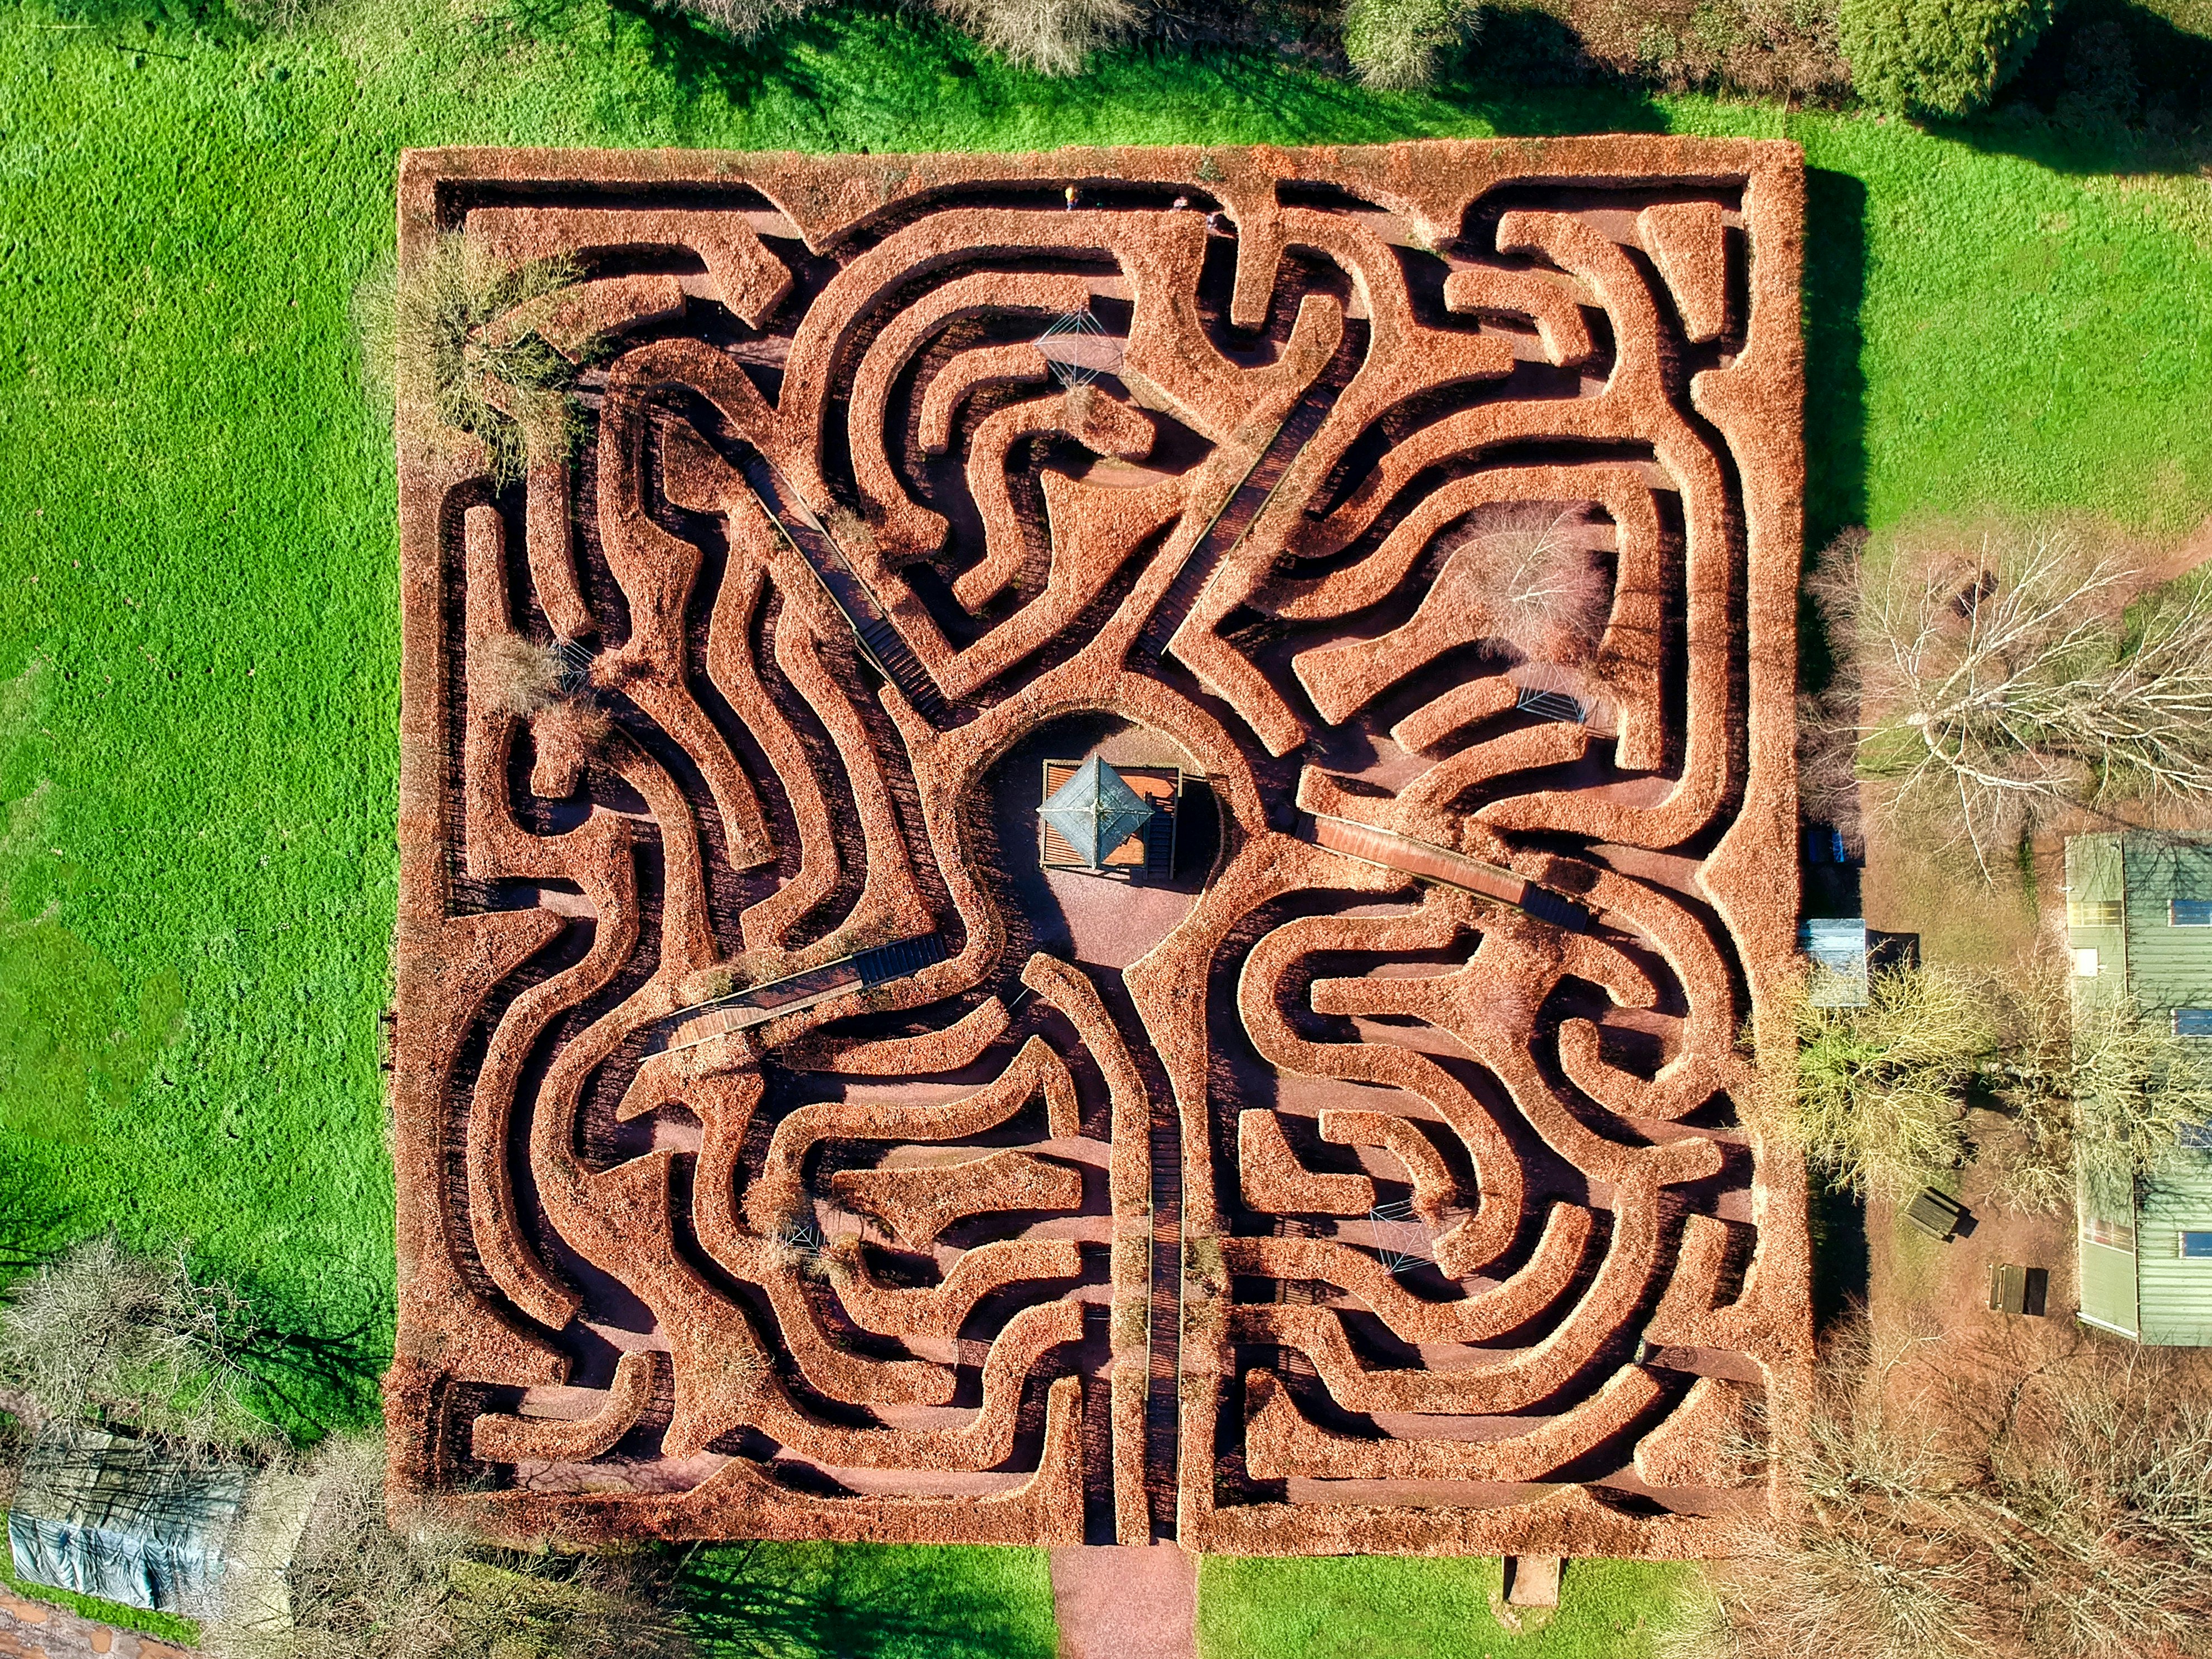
1116, 1602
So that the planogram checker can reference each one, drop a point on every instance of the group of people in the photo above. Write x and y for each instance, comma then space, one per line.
1217, 223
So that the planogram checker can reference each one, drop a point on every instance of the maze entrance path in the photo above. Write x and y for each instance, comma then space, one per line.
785, 1151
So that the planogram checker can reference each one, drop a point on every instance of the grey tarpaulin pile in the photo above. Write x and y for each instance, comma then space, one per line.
127, 1521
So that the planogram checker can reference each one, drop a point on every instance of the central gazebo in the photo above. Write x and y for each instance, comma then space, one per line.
1108, 821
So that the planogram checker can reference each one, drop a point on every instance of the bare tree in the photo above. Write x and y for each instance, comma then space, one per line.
102, 1332
1987, 690
2021, 1496
2101, 1097
360, 1590
1546, 591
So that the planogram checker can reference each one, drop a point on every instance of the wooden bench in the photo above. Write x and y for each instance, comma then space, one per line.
1937, 1215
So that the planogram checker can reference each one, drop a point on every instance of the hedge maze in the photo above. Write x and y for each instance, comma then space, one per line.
784, 1152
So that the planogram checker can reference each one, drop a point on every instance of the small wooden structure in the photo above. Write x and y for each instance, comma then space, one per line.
1937, 1215
1146, 850
2018, 1289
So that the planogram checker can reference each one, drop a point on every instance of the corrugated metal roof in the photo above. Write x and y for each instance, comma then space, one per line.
2168, 967
2175, 1293
2122, 925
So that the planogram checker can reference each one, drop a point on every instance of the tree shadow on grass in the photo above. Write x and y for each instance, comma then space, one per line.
314, 1383
141, 25
882, 64
790, 1602
692, 57
34, 1227
1835, 377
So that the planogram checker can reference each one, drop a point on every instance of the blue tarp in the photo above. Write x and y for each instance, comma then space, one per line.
122, 1520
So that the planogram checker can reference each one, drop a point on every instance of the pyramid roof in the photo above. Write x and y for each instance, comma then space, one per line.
1095, 811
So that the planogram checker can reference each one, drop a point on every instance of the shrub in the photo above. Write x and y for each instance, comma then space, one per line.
1938, 57
1400, 44
1880, 1091
431, 347
362, 1589
2009, 1499
514, 673
1052, 37
103, 1334
741, 20
1771, 48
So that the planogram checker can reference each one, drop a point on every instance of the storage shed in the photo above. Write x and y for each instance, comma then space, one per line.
2139, 924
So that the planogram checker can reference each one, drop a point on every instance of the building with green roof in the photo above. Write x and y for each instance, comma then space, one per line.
2139, 923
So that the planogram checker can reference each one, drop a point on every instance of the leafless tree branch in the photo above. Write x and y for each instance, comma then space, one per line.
1989, 691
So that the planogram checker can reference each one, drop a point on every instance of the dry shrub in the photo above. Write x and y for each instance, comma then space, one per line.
1130, 1322
1399, 45
1984, 693
725, 979
576, 722
796, 1245
514, 673
2022, 1496
362, 1589
1547, 595
429, 346
1878, 1096
1827, 773
102, 1333
1052, 37
1774, 48
741, 20
1204, 1269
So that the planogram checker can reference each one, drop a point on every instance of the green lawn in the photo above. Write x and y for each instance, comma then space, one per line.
199, 655
1385, 1607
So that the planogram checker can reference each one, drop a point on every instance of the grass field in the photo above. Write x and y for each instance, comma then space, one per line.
198, 654
1364, 1607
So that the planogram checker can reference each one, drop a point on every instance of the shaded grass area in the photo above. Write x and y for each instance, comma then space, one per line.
1389, 1608
870, 1601
198, 651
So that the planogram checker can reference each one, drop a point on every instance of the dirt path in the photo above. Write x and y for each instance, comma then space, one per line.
1113, 1602
30, 1630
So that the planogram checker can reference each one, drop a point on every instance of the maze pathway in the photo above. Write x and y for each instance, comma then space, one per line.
785, 1151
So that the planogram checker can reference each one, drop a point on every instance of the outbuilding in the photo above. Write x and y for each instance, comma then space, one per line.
2139, 924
